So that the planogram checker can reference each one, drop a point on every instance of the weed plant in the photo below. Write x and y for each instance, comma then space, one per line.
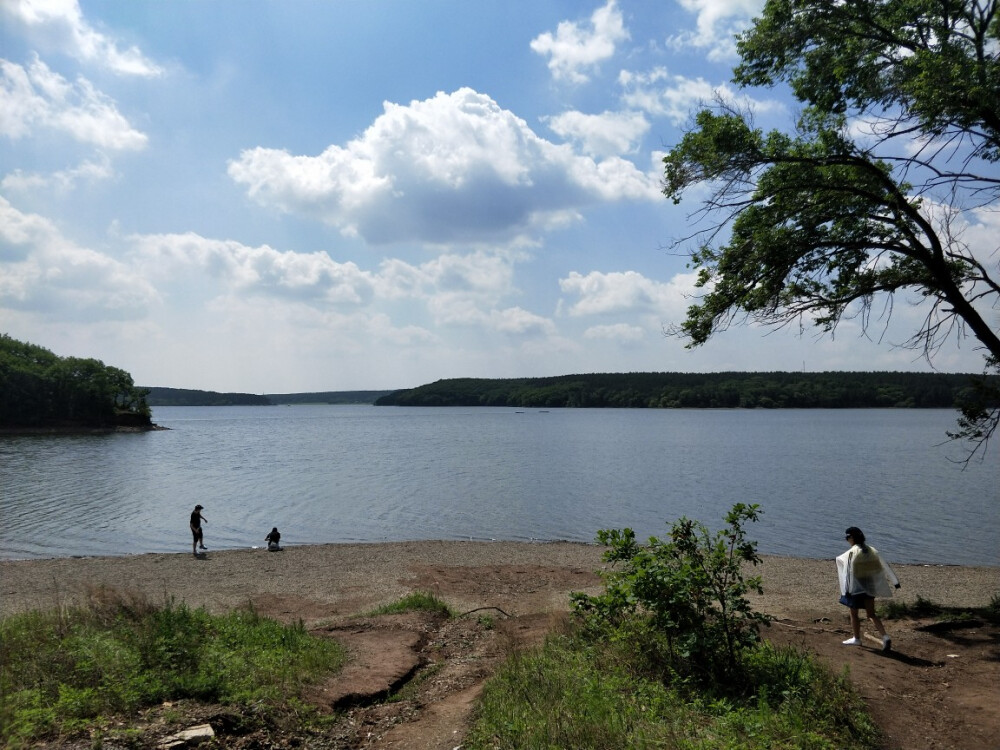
925, 608
418, 601
64, 671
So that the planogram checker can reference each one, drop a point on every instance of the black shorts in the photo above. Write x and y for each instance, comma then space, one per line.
855, 601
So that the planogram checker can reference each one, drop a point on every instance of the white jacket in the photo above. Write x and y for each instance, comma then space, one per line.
863, 571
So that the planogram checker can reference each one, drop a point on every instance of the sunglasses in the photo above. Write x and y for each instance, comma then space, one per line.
848, 537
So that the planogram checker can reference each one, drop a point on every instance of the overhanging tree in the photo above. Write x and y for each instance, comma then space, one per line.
896, 145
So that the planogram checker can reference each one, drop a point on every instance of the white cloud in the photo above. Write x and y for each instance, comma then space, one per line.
574, 48
718, 23
520, 322
620, 332
258, 270
456, 290
603, 135
61, 25
44, 273
606, 293
677, 97
455, 167
63, 181
36, 97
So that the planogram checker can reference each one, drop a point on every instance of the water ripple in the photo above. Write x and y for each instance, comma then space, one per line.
337, 474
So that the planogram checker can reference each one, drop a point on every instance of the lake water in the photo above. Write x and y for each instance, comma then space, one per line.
365, 474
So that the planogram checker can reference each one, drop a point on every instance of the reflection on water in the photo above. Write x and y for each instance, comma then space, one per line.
335, 473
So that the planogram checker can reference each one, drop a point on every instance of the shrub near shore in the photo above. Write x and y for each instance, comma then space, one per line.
670, 655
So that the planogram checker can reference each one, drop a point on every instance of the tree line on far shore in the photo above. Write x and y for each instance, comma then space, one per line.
39, 389
747, 390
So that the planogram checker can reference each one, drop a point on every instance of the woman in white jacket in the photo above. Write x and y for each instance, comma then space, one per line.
863, 576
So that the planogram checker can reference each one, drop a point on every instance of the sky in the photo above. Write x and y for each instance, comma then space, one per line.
314, 195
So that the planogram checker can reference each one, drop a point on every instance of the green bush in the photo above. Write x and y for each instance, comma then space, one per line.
683, 601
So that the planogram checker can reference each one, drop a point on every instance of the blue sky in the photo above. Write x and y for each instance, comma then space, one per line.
330, 195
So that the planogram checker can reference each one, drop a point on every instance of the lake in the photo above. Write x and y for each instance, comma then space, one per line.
368, 474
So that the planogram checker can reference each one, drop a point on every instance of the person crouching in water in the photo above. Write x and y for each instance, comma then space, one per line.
863, 576
272, 539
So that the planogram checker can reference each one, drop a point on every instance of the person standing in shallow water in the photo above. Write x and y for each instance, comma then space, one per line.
864, 575
196, 520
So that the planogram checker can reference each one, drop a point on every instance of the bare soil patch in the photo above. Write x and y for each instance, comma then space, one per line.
413, 679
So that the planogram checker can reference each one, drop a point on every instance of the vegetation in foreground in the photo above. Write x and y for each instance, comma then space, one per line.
670, 655
418, 601
70, 671
990, 612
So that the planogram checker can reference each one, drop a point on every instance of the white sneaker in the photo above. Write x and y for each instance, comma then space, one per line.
886, 643
852, 642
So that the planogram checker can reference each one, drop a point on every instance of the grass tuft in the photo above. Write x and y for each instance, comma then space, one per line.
62, 671
418, 601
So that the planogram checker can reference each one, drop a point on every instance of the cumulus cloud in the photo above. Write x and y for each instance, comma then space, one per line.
36, 98
261, 270
718, 23
603, 135
44, 273
455, 167
60, 24
517, 321
628, 291
454, 289
575, 47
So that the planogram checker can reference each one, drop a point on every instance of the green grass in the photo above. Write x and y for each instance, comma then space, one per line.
418, 601
68, 671
580, 694
923, 608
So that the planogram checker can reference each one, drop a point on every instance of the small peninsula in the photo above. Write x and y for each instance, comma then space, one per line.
43, 392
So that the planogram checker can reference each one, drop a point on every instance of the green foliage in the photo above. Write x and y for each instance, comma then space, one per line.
669, 656
418, 601
580, 693
685, 598
925, 608
828, 390
63, 671
40, 389
820, 222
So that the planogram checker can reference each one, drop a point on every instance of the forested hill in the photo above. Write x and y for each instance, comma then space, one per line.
41, 390
822, 390
159, 396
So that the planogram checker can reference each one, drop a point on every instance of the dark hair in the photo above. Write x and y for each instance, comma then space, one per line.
857, 535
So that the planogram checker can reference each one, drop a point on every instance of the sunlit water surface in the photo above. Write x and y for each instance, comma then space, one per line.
365, 474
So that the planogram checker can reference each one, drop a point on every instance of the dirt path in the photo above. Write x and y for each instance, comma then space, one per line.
937, 689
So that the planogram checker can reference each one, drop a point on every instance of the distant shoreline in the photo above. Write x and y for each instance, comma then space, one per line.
79, 430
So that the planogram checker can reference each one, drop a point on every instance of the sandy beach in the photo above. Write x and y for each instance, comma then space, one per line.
342, 579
